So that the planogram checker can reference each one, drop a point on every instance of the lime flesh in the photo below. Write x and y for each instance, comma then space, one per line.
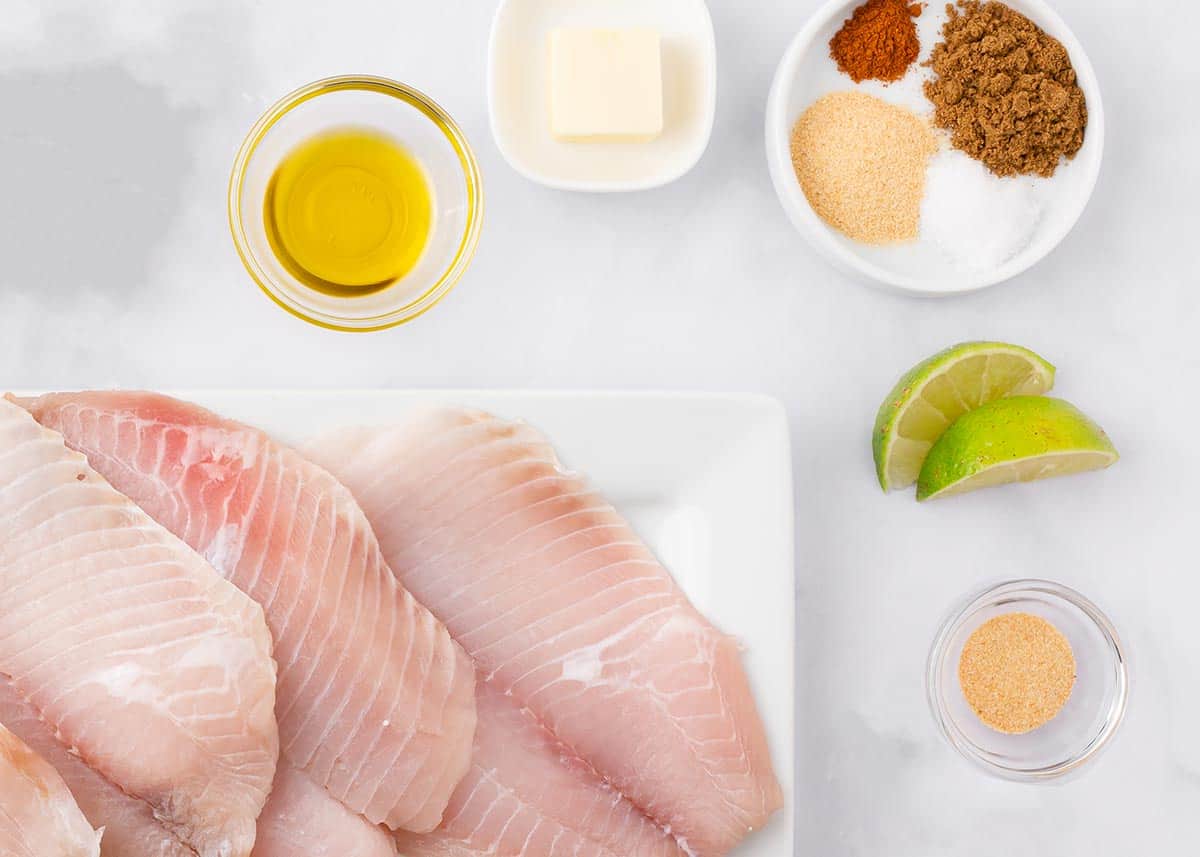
1013, 440
933, 394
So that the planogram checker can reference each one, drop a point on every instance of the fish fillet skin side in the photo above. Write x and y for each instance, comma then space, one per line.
376, 702
38, 815
130, 829
527, 796
301, 819
562, 606
146, 663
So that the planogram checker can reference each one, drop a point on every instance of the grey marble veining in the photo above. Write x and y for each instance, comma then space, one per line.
118, 124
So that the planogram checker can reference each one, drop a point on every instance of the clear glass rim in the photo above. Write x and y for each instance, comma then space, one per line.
999, 594
471, 174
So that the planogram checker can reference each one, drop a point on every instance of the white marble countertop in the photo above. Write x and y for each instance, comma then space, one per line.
119, 123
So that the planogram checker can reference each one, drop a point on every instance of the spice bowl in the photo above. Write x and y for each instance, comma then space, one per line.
393, 110
924, 267
1089, 719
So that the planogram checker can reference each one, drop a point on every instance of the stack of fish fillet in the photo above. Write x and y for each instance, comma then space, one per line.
426, 640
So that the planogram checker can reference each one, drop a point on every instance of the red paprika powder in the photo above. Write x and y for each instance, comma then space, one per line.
878, 41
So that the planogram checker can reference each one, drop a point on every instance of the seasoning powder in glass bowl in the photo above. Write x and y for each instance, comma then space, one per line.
1016, 672
1022, 653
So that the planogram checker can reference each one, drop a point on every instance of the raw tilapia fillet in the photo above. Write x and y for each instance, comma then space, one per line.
527, 796
130, 829
38, 816
376, 701
146, 662
301, 819
563, 607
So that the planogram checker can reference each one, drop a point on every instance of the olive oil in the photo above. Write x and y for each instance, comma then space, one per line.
349, 212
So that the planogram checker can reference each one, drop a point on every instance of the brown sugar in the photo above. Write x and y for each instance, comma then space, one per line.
861, 164
1005, 90
878, 41
1017, 672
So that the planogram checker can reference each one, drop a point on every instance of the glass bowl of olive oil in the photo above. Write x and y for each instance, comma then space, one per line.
356, 203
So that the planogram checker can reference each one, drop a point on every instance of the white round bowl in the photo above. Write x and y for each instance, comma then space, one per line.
807, 72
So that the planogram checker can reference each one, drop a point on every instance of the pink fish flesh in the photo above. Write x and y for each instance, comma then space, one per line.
144, 661
565, 609
376, 701
38, 815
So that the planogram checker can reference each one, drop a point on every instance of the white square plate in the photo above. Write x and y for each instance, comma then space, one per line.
518, 93
705, 479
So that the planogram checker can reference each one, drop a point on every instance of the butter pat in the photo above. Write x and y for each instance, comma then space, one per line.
606, 85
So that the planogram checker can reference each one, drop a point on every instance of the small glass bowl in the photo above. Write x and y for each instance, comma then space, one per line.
1086, 723
426, 130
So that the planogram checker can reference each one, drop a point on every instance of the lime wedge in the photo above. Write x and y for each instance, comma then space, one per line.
937, 391
1013, 440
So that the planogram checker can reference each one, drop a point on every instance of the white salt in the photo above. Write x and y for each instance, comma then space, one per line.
977, 219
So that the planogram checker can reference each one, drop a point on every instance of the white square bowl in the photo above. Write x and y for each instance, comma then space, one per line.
518, 93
